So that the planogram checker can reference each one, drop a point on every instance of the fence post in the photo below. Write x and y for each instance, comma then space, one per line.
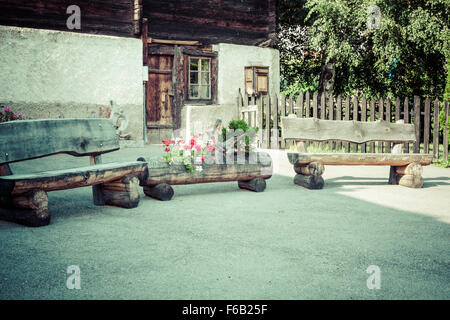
347, 118
445, 133
380, 117
372, 119
436, 130
355, 118
363, 119
417, 123
388, 119
426, 126
406, 117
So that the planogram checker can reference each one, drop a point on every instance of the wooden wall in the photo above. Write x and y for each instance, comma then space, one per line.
109, 17
247, 22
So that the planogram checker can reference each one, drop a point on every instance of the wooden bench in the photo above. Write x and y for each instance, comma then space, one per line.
405, 169
23, 197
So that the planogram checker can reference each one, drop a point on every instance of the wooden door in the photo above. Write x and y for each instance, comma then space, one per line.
159, 92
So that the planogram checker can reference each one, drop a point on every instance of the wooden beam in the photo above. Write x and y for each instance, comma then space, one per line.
39, 138
72, 178
176, 174
364, 159
352, 131
174, 42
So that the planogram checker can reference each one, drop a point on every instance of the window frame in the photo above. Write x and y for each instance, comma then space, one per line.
199, 84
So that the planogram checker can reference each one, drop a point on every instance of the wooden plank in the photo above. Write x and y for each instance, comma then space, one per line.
368, 159
331, 143
276, 124
417, 123
174, 42
73, 178
380, 117
347, 118
388, 119
39, 138
355, 118
291, 105
372, 119
445, 134
323, 112
144, 38
267, 112
358, 132
338, 117
436, 130
407, 118
315, 104
307, 105
300, 105
363, 119
426, 126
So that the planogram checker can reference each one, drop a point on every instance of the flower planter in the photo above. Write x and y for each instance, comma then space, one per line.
250, 172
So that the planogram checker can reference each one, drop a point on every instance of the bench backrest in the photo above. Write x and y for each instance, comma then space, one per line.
30, 139
352, 131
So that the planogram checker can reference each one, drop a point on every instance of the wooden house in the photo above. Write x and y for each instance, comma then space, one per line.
167, 65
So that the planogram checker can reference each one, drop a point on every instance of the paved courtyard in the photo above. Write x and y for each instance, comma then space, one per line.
215, 241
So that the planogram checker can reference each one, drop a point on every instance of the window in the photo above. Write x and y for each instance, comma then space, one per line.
199, 78
256, 80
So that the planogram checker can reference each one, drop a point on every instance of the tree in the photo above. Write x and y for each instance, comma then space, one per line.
404, 54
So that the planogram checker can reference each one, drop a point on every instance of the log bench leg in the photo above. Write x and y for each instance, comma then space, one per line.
256, 185
310, 175
122, 193
30, 209
162, 191
408, 176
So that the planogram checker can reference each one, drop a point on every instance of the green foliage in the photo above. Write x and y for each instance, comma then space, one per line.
405, 56
235, 125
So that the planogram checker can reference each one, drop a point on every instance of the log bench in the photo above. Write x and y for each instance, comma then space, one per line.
23, 196
405, 168
250, 173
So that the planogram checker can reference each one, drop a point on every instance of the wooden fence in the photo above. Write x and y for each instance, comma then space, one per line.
418, 111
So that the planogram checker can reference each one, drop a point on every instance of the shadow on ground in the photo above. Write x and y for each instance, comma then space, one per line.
215, 241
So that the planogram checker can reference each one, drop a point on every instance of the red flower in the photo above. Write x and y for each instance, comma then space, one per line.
167, 149
192, 142
203, 158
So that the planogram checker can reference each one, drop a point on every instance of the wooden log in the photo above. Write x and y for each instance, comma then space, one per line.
410, 181
162, 191
30, 209
311, 169
309, 182
369, 159
413, 169
256, 185
176, 174
40, 138
71, 178
359, 132
127, 196
97, 190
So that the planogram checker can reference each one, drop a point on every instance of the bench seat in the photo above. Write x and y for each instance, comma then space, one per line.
71, 178
362, 159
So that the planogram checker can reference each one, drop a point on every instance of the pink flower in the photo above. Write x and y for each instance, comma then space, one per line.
8, 109
15, 116
198, 148
20, 115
